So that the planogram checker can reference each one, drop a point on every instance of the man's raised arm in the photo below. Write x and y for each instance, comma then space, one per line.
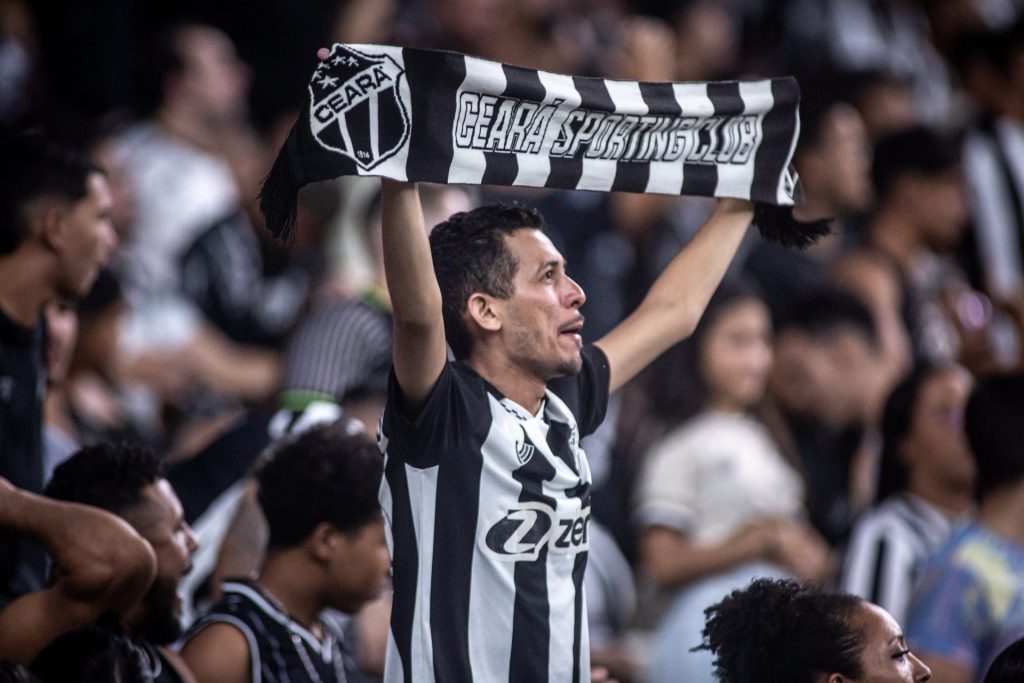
673, 306
99, 564
419, 352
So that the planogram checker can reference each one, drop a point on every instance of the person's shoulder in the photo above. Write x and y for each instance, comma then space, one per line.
219, 651
983, 553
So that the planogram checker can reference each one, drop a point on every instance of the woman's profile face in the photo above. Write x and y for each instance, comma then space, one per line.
886, 657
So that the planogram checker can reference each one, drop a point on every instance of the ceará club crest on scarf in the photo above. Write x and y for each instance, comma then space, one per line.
356, 107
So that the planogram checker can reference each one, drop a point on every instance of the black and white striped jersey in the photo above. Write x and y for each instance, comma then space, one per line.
887, 546
994, 171
487, 509
280, 651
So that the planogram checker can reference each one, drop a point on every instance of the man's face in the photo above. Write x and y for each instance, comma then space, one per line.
542, 320
160, 521
358, 567
834, 375
88, 238
940, 202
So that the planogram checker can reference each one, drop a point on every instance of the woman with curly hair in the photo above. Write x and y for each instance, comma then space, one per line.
779, 631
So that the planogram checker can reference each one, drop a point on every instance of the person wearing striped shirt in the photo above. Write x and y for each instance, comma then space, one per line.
486, 492
326, 549
926, 483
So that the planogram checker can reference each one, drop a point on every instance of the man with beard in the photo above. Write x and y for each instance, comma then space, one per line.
487, 491
127, 480
55, 233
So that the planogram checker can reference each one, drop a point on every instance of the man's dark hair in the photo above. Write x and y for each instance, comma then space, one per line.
323, 475
778, 630
163, 58
991, 50
830, 311
31, 169
106, 476
93, 653
917, 150
1008, 667
994, 422
470, 255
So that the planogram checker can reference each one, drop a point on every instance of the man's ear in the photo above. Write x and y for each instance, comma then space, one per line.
322, 542
484, 311
50, 223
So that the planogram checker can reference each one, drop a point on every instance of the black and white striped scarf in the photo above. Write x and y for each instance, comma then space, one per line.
443, 117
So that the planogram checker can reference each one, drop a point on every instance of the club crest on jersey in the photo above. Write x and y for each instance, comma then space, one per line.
529, 527
356, 106
524, 449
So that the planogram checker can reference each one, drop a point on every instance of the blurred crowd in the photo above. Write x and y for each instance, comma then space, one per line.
813, 427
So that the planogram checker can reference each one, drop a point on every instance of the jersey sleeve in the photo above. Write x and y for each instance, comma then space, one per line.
453, 412
586, 393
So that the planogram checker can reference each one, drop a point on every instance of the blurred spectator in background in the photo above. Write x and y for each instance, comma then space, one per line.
718, 503
925, 486
826, 385
969, 601
181, 182
991, 66
892, 36
55, 234
884, 100
905, 271
60, 435
833, 158
128, 481
19, 67
318, 494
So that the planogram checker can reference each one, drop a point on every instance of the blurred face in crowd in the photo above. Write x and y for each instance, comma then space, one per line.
936, 447
214, 80
541, 320
87, 238
736, 355
887, 107
358, 566
61, 333
160, 520
886, 657
830, 378
939, 203
847, 152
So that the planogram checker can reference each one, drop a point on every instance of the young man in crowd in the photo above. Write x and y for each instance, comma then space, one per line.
326, 550
487, 493
128, 481
968, 603
55, 233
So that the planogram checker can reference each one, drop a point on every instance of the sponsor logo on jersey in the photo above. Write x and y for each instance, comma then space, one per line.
529, 527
